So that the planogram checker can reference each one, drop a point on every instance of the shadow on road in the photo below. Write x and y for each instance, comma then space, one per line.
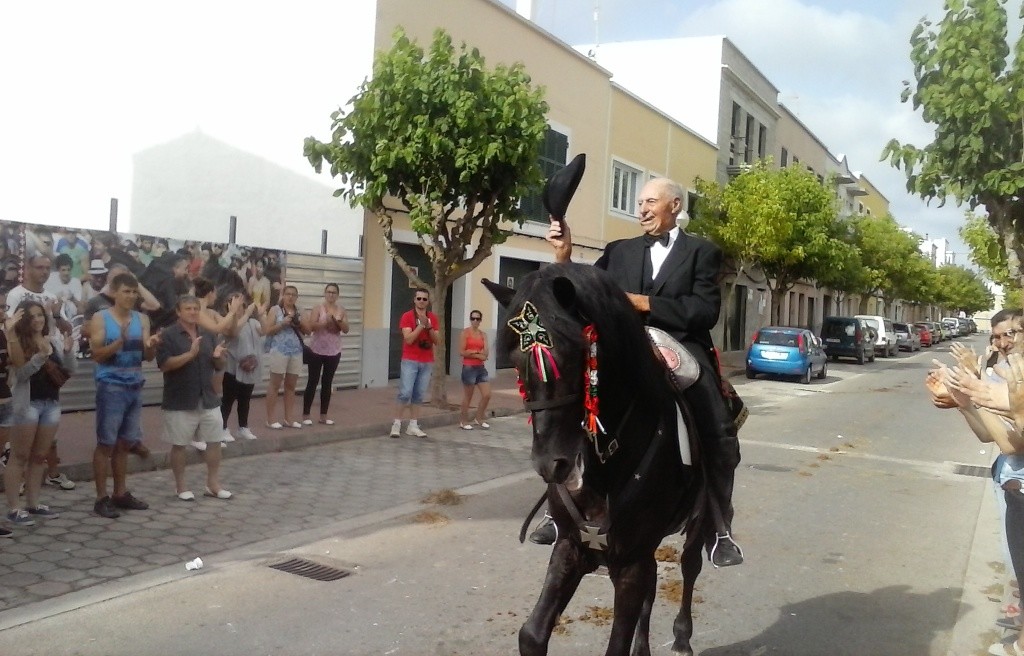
889, 621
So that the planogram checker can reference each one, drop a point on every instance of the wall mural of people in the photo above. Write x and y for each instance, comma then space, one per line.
82, 259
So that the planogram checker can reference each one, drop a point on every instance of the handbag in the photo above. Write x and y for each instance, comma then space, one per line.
307, 353
57, 374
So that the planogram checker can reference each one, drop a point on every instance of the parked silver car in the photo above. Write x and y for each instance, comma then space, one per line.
907, 338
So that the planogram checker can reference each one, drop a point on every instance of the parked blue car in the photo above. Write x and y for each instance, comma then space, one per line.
786, 352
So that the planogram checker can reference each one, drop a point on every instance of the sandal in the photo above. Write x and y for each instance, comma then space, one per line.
1006, 649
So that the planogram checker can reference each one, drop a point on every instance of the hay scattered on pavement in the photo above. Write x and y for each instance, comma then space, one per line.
671, 591
431, 517
445, 497
598, 615
667, 554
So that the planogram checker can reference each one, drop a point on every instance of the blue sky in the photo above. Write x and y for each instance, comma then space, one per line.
838, 65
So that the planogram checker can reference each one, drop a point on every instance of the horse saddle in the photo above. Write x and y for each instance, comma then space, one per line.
682, 366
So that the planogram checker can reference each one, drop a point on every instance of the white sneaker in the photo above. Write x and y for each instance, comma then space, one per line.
245, 433
396, 428
200, 446
228, 437
414, 430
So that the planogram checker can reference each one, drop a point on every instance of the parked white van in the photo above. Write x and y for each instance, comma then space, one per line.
885, 345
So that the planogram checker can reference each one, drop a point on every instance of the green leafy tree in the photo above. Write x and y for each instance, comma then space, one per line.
988, 254
439, 139
972, 92
894, 267
781, 221
847, 273
963, 289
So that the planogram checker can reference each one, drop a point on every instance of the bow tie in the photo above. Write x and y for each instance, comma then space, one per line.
650, 239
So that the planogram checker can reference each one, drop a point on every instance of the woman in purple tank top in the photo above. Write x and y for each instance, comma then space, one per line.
326, 322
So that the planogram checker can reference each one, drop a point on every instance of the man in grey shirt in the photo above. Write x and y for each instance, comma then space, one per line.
188, 356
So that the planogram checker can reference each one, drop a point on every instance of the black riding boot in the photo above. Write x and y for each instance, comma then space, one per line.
546, 532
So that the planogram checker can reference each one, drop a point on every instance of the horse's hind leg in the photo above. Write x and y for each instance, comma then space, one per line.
691, 564
565, 571
634, 585
642, 637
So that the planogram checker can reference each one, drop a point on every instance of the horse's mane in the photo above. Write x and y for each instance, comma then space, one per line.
626, 361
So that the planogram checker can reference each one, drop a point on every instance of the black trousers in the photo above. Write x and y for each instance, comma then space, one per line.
717, 433
321, 368
235, 391
1015, 530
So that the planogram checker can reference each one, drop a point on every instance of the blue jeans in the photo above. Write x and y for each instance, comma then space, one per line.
414, 381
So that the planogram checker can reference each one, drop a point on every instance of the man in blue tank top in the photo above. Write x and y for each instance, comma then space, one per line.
120, 340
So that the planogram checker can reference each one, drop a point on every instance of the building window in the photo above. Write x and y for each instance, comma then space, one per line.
624, 183
692, 203
785, 158
748, 143
734, 134
552, 158
762, 141
796, 160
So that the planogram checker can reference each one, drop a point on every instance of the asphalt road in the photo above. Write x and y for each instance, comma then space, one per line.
861, 539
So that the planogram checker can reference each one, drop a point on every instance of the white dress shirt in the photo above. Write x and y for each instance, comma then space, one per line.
659, 252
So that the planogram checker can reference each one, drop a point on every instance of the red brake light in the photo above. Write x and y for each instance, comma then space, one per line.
753, 340
800, 343
857, 334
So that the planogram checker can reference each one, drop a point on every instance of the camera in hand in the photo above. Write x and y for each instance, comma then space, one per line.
295, 320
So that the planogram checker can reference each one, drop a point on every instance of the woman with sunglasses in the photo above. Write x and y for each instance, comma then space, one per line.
473, 347
326, 322
36, 406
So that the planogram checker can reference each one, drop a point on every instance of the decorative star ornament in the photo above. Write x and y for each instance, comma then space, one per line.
529, 328
594, 538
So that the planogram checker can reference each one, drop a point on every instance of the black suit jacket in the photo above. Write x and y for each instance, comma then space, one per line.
685, 299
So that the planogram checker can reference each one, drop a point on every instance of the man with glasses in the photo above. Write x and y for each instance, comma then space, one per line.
419, 331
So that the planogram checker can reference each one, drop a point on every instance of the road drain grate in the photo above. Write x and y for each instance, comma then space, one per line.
980, 471
310, 570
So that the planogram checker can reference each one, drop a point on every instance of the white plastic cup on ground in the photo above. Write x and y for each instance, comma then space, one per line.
194, 564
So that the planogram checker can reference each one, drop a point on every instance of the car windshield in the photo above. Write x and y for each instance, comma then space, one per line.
776, 338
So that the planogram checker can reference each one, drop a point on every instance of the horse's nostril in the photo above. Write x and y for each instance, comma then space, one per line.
560, 468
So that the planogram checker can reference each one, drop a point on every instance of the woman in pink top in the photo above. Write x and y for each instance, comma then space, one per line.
473, 347
327, 321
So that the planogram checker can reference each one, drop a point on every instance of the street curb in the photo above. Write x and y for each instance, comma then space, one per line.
277, 444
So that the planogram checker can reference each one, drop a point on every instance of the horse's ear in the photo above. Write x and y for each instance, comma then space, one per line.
565, 292
501, 293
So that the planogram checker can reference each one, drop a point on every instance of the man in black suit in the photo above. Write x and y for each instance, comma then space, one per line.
671, 278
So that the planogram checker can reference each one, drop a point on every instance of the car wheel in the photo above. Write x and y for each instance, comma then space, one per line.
806, 378
871, 356
860, 357
751, 373
824, 371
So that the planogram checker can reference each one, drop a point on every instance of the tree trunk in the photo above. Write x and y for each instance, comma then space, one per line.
439, 379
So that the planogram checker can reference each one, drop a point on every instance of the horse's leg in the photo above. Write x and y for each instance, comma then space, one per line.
633, 583
691, 564
642, 637
565, 571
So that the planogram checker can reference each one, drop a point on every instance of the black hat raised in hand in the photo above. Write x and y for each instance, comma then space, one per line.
562, 185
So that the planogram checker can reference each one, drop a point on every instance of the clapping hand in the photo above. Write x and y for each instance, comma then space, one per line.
153, 340
934, 382
992, 396
966, 358
1014, 375
218, 351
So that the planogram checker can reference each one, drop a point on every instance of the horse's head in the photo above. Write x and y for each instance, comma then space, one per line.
552, 318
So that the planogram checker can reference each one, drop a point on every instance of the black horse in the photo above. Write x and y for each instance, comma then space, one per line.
606, 447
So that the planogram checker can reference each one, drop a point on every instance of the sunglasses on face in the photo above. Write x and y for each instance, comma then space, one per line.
476, 318
422, 298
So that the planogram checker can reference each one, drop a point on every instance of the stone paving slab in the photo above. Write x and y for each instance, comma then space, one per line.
275, 494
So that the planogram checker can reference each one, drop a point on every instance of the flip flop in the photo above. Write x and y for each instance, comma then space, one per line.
1006, 649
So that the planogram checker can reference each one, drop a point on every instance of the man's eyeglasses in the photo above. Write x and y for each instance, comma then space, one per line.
1009, 334
476, 318
422, 298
